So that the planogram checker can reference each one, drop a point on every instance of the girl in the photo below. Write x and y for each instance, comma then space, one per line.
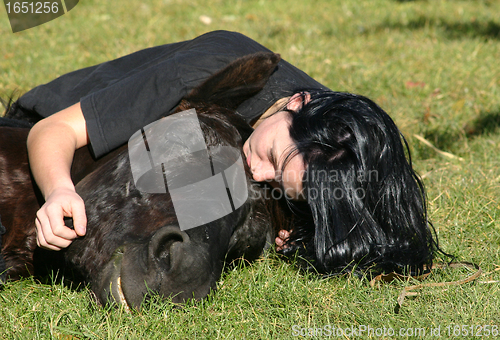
338, 158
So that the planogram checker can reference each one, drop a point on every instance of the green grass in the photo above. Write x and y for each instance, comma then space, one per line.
433, 65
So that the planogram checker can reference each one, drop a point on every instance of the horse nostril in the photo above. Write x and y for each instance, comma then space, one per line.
161, 243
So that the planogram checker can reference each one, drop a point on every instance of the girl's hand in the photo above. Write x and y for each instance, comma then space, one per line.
281, 240
51, 232
51, 147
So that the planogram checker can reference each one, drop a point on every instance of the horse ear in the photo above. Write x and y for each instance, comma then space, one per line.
237, 82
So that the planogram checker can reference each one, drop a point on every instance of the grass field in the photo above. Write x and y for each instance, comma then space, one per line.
433, 65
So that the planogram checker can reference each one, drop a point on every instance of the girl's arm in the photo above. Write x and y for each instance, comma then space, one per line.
51, 146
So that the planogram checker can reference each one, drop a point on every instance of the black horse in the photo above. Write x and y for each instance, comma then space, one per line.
134, 245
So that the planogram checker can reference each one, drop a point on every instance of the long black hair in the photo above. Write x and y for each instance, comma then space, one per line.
366, 205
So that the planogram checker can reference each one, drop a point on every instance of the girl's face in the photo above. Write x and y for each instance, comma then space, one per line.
269, 145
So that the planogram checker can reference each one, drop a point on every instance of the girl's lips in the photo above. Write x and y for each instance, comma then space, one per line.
247, 150
247, 153
248, 162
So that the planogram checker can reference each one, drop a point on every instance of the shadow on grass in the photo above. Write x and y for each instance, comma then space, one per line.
488, 122
451, 140
453, 30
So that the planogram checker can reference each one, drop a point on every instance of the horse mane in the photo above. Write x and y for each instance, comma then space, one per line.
19, 116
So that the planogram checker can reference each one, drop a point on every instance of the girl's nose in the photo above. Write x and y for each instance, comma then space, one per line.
264, 171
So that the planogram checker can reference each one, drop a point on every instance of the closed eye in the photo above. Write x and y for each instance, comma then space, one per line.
274, 162
272, 158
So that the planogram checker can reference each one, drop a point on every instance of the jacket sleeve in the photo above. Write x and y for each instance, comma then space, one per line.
121, 96
152, 90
